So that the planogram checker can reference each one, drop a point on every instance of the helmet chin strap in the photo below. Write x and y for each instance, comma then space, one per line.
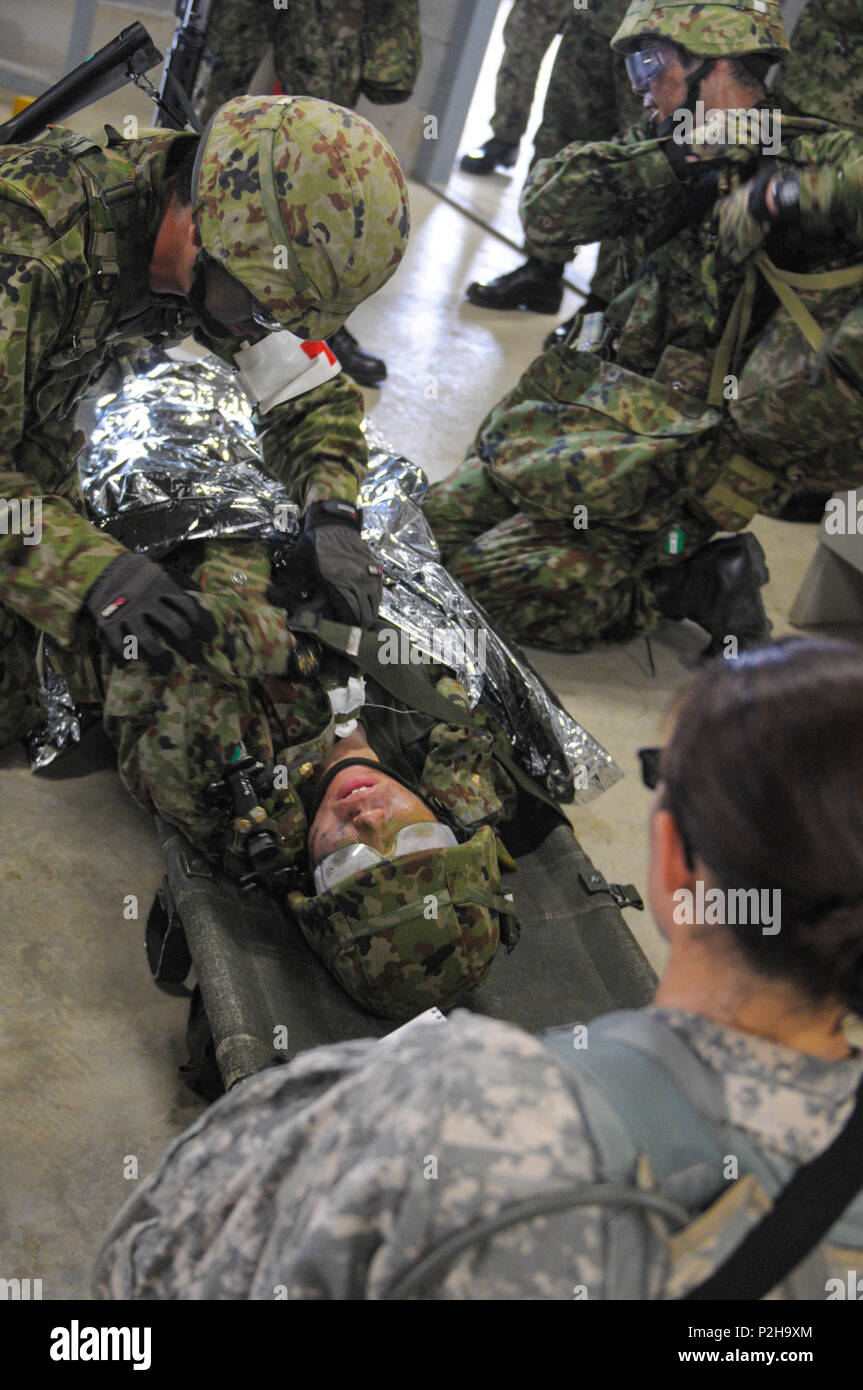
694, 81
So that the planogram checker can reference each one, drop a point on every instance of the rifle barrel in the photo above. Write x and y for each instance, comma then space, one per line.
130, 53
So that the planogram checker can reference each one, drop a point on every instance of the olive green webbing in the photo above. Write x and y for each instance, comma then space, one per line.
405, 684
270, 200
784, 283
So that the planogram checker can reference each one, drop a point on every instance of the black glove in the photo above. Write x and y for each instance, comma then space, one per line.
134, 597
332, 558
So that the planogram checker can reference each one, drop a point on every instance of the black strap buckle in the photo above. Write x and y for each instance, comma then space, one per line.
624, 894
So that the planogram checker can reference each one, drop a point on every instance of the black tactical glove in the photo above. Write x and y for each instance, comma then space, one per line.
332, 559
134, 597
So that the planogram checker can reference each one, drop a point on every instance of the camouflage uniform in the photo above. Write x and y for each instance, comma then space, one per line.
589, 97
824, 74
529, 29
74, 292
177, 734
631, 438
333, 49
332, 1177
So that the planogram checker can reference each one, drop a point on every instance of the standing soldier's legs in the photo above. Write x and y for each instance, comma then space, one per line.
237, 35
318, 50
579, 103
589, 98
20, 704
529, 29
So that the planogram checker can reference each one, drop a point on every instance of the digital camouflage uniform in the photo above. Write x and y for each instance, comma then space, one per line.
332, 1177
529, 29
177, 734
74, 292
633, 439
333, 49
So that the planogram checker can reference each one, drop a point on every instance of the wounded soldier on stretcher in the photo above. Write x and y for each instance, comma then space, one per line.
373, 823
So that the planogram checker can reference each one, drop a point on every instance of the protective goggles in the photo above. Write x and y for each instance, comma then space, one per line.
217, 295
644, 67
353, 859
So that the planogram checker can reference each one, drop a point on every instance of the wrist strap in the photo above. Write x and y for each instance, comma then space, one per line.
331, 512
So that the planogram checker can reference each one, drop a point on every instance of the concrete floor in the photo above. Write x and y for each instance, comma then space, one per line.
89, 1063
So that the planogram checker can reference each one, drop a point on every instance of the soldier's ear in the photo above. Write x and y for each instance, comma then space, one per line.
668, 870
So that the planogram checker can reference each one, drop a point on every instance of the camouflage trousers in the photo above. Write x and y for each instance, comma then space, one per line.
529, 29
560, 509
20, 705
317, 53
589, 98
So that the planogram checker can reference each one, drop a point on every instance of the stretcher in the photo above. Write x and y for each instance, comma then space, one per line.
262, 996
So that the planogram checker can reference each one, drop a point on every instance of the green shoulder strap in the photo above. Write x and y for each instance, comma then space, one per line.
784, 283
405, 684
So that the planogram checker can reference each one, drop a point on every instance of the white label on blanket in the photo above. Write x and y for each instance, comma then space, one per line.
432, 1016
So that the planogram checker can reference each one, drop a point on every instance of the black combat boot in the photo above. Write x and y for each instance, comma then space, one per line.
535, 285
718, 588
805, 506
361, 366
488, 156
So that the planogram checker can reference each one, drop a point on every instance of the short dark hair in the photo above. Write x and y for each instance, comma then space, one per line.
749, 69
763, 776
181, 163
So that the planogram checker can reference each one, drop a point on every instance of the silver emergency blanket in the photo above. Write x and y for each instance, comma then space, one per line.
174, 458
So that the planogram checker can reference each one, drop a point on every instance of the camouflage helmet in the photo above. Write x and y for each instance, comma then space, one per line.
302, 201
718, 29
411, 932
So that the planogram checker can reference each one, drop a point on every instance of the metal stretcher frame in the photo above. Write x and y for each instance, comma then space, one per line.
576, 958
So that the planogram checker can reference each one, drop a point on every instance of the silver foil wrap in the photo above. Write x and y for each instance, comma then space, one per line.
174, 458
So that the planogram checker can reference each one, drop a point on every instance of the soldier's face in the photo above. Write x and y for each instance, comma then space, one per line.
177, 244
666, 91
363, 806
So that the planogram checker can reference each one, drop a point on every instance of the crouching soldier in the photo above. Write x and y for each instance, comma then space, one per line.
724, 378
259, 237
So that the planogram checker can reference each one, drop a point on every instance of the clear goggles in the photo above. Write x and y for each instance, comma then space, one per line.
353, 859
228, 301
644, 67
